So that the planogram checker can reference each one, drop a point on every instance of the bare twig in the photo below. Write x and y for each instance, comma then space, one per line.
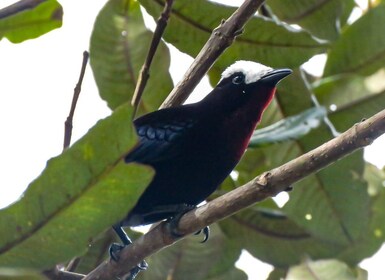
266, 185
221, 38
144, 71
77, 89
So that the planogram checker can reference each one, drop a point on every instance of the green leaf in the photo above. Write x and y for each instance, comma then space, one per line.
351, 113
30, 23
215, 259
322, 18
98, 252
79, 194
373, 238
19, 274
118, 48
289, 128
341, 90
322, 270
272, 237
361, 48
264, 40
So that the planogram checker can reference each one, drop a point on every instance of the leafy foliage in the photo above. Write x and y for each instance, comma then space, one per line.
336, 214
30, 22
86, 179
119, 45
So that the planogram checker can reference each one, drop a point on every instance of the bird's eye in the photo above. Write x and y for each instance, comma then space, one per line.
238, 79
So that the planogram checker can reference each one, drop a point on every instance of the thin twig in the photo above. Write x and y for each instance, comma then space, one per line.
266, 185
77, 89
221, 38
144, 71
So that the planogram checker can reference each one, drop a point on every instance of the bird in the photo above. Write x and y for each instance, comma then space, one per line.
194, 147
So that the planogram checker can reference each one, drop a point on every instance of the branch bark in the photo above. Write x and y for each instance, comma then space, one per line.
221, 38
266, 185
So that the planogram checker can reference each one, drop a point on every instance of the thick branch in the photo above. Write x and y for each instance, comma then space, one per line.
266, 185
221, 38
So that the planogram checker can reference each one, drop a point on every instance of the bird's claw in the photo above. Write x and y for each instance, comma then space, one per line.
114, 251
206, 232
173, 222
173, 225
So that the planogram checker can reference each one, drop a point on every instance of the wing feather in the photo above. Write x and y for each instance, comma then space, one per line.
161, 136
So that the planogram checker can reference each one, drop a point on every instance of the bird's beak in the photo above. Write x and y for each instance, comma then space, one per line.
273, 77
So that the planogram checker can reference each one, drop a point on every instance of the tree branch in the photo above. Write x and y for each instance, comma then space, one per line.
77, 89
221, 38
144, 71
266, 185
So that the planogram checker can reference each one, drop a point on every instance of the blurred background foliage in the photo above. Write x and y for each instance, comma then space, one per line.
328, 224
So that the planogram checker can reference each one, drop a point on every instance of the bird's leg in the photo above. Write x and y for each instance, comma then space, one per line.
174, 221
115, 248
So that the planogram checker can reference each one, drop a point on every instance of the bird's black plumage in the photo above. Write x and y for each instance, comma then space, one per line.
194, 147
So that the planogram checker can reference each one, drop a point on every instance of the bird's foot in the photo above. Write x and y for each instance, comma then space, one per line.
135, 271
206, 233
115, 249
173, 223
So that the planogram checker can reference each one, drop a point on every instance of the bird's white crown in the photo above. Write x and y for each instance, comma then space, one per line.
253, 71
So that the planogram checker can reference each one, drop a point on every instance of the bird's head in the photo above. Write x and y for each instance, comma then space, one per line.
247, 83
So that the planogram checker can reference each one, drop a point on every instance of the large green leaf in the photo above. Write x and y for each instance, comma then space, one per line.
190, 259
370, 241
119, 45
263, 40
31, 22
361, 48
272, 237
79, 194
351, 98
341, 90
322, 18
323, 270
289, 128
348, 115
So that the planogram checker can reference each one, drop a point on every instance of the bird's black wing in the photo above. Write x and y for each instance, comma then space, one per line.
161, 135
